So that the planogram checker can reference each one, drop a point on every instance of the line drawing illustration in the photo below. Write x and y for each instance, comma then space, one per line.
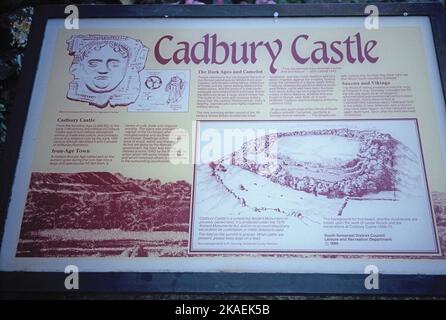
105, 69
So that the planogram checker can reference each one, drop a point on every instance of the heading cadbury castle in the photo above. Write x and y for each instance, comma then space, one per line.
212, 51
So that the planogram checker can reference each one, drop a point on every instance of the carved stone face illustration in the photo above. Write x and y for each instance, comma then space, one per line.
103, 68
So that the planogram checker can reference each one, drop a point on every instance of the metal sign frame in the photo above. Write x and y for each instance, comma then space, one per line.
163, 282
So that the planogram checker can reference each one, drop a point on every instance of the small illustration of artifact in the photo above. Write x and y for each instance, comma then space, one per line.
106, 69
175, 87
153, 82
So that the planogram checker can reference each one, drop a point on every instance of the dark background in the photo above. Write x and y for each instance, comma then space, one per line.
15, 21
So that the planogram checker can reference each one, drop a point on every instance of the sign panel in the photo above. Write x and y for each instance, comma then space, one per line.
353, 186
249, 145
